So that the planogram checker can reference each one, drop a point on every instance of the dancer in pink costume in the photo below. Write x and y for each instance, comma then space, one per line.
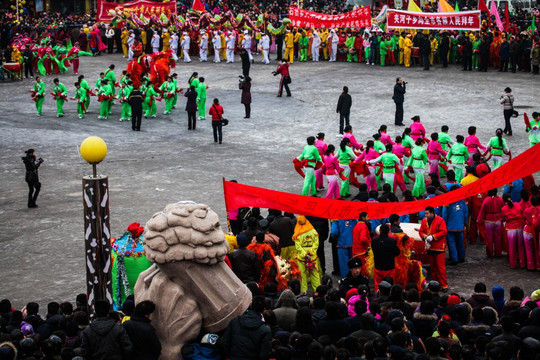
435, 152
349, 134
490, 215
513, 224
332, 169
369, 154
417, 129
321, 146
385, 138
530, 234
400, 151
473, 144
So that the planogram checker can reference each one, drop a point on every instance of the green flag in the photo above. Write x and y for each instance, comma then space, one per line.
456, 8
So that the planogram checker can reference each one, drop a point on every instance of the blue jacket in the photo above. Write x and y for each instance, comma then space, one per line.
455, 215
342, 230
514, 190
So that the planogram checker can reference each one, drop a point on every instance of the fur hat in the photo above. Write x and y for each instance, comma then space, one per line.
354, 263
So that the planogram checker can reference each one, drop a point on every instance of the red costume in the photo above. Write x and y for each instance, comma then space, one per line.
437, 229
361, 241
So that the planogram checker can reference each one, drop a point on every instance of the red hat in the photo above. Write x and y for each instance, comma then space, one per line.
482, 170
350, 294
453, 300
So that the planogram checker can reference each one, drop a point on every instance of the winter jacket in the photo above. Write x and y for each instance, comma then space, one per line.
335, 328
531, 327
31, 165
350, 282
146, 345
191, 104
455, 216
246, 92
504, 51
385, 250
248, 338
479, 300
361, 239
342, 230
514, 190
424, 325
344, 104
285, 310
245, 265
399, 93
105, 339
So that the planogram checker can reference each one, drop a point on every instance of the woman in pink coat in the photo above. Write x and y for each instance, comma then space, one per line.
434, 153
385, 138
473, 144
348, 134
417, 129
331, 170
513, 225
321, 146
369, 154
531, 215
490, 216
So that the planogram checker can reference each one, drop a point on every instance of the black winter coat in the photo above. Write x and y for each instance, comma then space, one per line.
105, 339
146, 345
467, 48
31, 165
248, 338
191, 104
246, 92
344, 104
245, 265
385, 250
399, 93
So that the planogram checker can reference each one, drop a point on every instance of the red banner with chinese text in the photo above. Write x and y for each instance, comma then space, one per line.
352, 19
138, 7
239, 195
462, 20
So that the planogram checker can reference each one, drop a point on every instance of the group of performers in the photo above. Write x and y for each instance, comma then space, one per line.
390, 163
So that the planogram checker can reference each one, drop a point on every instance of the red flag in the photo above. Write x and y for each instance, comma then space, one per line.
197, 5
506, 17
483, 7
527, 121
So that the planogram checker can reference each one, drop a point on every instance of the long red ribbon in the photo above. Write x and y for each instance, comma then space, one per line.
239, 195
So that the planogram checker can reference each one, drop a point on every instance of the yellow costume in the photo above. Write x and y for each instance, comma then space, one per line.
143, 41
324, 42
306, 241
289, 47
223, 50
434, 46
166, 40
124, 38
407, 48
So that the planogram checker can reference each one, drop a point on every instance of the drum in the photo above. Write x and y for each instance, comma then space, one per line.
415, 52
13, 67
419, 247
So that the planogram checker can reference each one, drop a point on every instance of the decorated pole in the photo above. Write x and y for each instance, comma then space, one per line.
97, 234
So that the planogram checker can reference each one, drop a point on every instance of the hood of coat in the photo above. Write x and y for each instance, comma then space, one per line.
424, 317
102, 326
251, 320
287, 299
480, 297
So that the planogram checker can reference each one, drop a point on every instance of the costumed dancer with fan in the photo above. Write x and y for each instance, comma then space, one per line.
80, 96
38, 94
60, 95
306, 241
309, 157
497, 147
417, 162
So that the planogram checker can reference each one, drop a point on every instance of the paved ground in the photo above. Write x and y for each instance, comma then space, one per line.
41, 256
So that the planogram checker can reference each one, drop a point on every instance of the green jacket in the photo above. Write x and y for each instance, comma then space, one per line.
305, 243
80, 94
445, 140
408, 142
304, 42
389, 162
345, 157
109, 75
39, 88
310, 153
458, 154
60, 88
201, 91
379, 146
496, 149
419, 158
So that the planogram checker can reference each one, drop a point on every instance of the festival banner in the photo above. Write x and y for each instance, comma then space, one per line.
239, 195
463, 20
352, 19
138, 7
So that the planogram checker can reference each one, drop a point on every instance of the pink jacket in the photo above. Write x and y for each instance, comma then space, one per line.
434, 151
321, 146
491, 209
417, 131
400, 151
473, 144
386, 139
367, 155
355, 145
331, 164
512, 217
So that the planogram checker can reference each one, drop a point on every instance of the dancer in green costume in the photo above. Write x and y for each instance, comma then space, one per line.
60, 94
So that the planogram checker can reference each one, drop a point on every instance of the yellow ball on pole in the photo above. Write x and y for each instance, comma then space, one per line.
93, 149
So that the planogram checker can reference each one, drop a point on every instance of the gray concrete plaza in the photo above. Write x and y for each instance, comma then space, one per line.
42, 250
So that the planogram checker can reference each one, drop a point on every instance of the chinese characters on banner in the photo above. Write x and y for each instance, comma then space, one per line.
463, 20
352, 19
138, 7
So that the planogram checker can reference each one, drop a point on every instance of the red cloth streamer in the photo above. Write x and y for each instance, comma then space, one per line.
356, 18
527, 121
239, 195
197, 5
506, 17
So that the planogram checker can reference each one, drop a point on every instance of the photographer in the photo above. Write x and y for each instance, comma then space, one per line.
399, 98
32, 164
283, 69
245, 86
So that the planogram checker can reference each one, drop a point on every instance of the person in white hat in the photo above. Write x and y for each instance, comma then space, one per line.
130, 42
186, 40
174, 46
155, 42
203, 46
265, 44
230, 41
246, 44
216, 41
315, 46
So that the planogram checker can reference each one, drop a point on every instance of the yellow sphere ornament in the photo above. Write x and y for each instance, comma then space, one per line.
13, 7
93, 149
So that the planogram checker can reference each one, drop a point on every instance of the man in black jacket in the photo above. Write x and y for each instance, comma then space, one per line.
344, 108
247, 337
104, 338
444, 48
467, 54
28, 56
32, 178
244, 262
384, 250
146, 345
425, 50
135, 100
399, 98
